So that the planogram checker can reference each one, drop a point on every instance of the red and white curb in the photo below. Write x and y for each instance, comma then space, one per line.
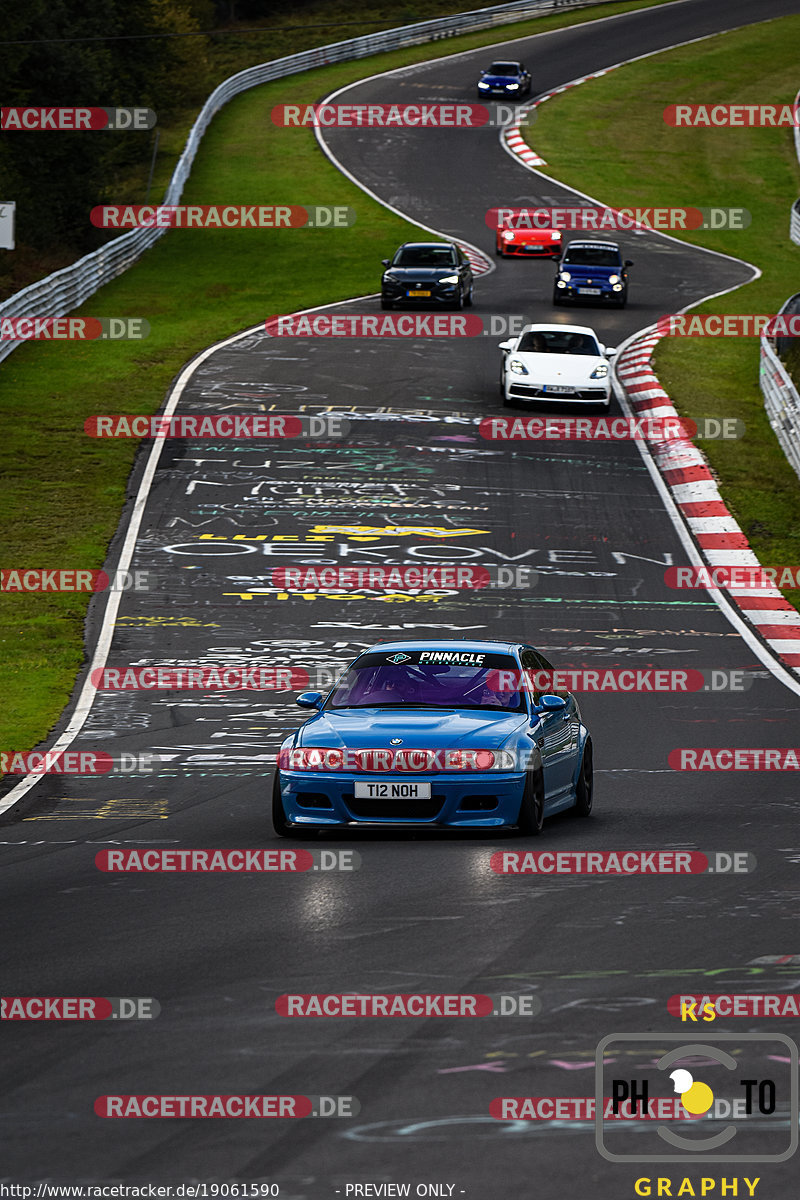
477, 259
513, 140
716, 533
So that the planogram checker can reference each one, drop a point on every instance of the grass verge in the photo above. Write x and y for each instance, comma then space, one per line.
645, 162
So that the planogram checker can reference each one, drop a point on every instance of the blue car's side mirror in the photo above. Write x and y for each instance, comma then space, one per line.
309, 699
548, 704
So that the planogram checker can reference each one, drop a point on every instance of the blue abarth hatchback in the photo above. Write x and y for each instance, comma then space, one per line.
448, 734
594, 272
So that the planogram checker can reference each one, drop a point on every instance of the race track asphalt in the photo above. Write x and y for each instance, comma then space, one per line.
424, 912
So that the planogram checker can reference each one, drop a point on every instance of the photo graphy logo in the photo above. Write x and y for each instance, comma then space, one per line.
740, 1092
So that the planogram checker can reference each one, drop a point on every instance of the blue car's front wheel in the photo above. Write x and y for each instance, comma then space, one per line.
531, 811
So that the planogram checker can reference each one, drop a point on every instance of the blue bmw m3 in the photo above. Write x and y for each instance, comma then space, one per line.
443, 734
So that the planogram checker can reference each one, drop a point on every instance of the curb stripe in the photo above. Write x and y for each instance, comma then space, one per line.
714, 529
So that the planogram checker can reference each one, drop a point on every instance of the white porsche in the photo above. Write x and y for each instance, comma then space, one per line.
556, 363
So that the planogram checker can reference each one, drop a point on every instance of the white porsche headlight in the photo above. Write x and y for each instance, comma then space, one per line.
517, 367
600, 371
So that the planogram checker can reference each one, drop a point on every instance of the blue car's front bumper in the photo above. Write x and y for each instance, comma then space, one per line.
488, 799
603, 290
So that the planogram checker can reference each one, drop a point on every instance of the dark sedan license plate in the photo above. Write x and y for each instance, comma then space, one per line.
389, 789
419, 292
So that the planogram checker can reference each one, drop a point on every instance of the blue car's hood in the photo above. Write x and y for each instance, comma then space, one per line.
430, 729
496, 80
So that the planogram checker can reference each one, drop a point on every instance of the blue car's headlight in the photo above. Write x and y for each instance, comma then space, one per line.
512, 87
481, 84
565, 275
613, 279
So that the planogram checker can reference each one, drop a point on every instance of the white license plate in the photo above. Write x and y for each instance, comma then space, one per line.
392, 789
590, 291
550, 387
419, 293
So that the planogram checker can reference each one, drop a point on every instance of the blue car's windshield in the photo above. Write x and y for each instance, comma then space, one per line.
504, 68
374, 682
592, 256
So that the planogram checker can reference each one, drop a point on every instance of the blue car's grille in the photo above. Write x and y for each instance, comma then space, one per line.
404, 810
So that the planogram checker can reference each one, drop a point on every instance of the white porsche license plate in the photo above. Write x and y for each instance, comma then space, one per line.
590, 291
392, 789
554, 387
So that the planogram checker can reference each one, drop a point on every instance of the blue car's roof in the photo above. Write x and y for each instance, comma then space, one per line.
447, 644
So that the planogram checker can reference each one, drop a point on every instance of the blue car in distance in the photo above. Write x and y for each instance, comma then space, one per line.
438, 734
593, 271
507, 79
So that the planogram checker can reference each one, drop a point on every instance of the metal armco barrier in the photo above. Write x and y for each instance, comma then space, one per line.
780, 395
64, 290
